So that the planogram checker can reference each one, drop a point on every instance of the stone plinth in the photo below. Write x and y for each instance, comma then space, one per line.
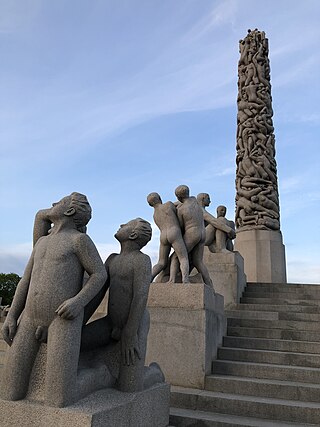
104, 408
187, 326
227, 274
264, 255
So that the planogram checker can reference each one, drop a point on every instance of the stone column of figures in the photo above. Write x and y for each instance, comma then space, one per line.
257, 202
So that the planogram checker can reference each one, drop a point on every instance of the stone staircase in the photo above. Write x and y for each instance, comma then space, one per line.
268, 369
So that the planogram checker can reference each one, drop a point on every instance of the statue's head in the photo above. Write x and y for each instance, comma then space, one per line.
182, 192
75, 206
138, 230
221, 211
154, 199
203, 199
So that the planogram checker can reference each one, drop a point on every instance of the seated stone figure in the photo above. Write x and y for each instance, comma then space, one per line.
50, 301
223, 240
219, 231
119, 339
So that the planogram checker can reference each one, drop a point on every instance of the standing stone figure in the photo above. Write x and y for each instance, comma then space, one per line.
191, 220
257, 203
50, 301
219, 231
165, 217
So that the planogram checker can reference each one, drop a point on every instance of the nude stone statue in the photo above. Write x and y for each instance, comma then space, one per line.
50, 301
219, 231
165, 217
191, 220
127, 323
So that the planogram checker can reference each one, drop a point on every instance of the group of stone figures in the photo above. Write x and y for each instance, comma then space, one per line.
187, 227
55, 300
257, 202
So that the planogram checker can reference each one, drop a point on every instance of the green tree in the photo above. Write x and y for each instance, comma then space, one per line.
8, 285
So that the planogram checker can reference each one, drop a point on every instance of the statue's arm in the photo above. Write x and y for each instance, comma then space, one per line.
215, 223
41, 225
93, 265
10, 325
141, 283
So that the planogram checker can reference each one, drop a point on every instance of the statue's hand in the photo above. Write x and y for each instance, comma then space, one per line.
69, 309
9, 330
129, 346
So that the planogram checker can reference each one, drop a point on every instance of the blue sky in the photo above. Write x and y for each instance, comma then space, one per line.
118, 98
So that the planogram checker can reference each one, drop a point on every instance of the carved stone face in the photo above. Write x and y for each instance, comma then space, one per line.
125, 231
59, 208
221, 211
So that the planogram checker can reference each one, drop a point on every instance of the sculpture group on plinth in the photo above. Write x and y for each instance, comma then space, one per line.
187, 227
53, 304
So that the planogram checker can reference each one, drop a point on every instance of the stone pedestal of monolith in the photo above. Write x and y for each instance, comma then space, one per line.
108, 407
264, 255
187, 327
226, 270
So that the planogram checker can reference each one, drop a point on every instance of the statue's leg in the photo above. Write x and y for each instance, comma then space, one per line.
20, 358
221, 240
197, 258
182, 254
64, 337
210, 235
162, 263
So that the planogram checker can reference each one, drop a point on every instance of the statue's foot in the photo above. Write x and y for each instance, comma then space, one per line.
152, 375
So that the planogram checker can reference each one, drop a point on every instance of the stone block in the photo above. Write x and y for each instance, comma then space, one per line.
227, 274
264, 255
186, 329
104, 408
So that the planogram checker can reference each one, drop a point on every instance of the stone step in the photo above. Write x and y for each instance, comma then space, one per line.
240, 331
272, 315
250, 314
190, 418
266, 370
284, 295
272, 344
267, 408
282, 301
270, 357
264, 388
286, 286
279, 308
292, 325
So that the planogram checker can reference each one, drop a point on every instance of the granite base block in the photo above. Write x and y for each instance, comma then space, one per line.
187, 326
264, 255
227, 274
104, 408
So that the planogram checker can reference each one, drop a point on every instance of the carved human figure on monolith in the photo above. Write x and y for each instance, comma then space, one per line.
165, 217
191, 220
219, 231
125, 327
50, 301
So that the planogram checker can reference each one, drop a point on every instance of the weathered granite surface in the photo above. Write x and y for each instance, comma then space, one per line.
103, 408
227, 271
187, 326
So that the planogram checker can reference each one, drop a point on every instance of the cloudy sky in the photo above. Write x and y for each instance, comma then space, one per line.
119, 98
